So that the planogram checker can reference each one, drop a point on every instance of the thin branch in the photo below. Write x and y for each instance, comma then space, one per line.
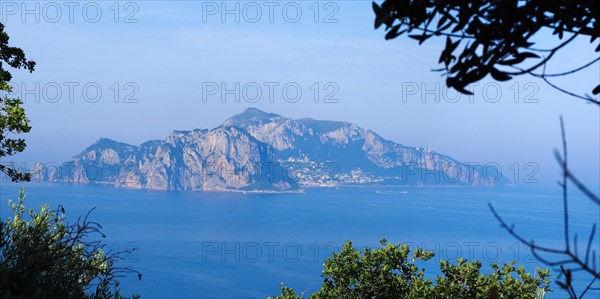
573, 70
564, 184
575, 251
589, 287
425, 30
571, 258
513, 233
594, 198
568, 92
540, 50
545, 60
543, 76
589, 247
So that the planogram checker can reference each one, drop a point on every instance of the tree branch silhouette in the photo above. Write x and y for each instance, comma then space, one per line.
570, 260
487, 37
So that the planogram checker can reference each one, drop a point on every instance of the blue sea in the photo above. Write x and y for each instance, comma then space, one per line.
234, 245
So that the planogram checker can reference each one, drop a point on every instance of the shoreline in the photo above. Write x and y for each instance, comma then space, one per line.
268, 191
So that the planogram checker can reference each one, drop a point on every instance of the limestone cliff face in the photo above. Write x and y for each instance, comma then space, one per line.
256, 150
351, 147
279, 132
225, 158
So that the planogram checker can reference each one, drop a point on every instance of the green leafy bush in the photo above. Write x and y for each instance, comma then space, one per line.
42, 256
390, 272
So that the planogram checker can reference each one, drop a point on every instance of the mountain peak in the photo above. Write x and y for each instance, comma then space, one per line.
249, 116
107, 143
103, 141
254, 113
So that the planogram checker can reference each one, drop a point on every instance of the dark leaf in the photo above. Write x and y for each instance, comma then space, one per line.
376, 8
473, 76
393, 33
458, 86
500, 76
512, 61
420, 37
444, 27
448, 43
528, 55
380, 17
462, 90
442, 21
454, 45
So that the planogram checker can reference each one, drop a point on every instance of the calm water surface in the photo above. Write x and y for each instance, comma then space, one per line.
233, 245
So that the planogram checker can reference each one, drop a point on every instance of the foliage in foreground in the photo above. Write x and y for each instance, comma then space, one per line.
41, 256
12, 115
497, 38
390, 272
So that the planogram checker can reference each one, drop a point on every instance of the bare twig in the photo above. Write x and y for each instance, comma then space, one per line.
571, 257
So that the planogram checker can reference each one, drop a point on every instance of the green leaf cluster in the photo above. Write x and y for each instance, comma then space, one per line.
42, 256
391, 272
12, 115
493, 38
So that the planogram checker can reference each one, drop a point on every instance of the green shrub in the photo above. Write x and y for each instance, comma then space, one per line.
41, 256
390, 272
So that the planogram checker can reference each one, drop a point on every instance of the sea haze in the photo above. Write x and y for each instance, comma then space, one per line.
232, 245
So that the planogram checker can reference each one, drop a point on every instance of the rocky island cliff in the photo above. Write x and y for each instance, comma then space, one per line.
259, 151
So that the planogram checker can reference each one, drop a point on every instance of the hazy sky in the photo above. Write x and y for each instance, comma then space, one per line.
174, 52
